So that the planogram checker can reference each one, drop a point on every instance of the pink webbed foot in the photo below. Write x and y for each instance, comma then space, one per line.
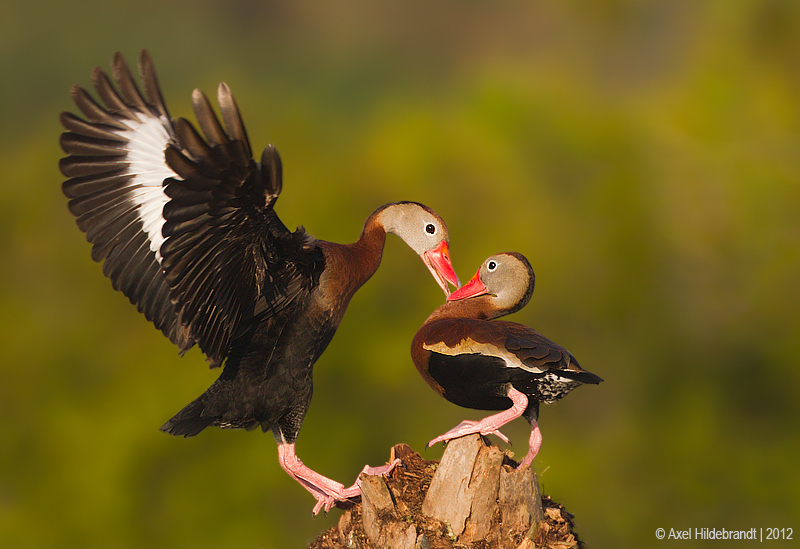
344, 494
326, 491
382, 471
469, 427
491, 424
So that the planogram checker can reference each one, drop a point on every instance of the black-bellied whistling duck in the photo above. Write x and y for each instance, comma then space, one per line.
186, 228
477, 362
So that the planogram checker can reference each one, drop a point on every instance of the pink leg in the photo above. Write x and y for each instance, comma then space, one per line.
488, 425
464, 428
326, 491
534, 443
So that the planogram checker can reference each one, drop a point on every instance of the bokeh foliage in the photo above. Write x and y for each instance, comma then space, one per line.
645, 156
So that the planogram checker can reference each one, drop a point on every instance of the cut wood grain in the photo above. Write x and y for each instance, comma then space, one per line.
474, 497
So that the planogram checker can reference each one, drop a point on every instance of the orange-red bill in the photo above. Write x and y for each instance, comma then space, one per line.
438, 263
470, 289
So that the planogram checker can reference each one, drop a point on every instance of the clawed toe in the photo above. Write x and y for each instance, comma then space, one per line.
326, 499
322, 501
383, 470
469, 427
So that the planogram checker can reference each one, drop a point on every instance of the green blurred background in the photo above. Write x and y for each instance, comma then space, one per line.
645, 156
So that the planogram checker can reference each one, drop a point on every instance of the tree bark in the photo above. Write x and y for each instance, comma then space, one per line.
474, 497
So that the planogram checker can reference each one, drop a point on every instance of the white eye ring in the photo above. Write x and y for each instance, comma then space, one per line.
492, 265
430, 228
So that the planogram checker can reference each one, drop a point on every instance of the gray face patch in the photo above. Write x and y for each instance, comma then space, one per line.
417, 227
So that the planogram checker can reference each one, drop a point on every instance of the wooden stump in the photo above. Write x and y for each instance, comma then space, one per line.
466, 493
473, 498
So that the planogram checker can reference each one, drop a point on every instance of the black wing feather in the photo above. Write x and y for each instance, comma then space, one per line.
150, 84
271, 173
204, 113
233, 120
196, 247
127, 84
94, 112
113, 102
86, 129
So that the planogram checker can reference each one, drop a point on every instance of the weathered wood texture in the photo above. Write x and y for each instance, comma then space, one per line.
465, 491
473, 498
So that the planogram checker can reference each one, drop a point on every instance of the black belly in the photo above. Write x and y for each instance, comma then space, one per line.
266, 381
481, 382
477, 381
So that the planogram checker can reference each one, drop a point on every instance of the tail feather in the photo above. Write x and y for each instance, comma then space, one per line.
580, 375
573, 370
189, 421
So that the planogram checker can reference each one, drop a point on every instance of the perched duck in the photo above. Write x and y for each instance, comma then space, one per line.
485, 364
186, 228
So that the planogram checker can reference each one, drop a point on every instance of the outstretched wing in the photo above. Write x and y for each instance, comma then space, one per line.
184, 224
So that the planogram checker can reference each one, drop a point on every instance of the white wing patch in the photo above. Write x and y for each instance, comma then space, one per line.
147, 142
469, 346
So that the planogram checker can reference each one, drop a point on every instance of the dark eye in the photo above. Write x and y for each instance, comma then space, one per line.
492, 265
430, 228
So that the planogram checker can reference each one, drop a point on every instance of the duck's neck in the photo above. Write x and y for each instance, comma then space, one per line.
480, 307
349, 266
367, 251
